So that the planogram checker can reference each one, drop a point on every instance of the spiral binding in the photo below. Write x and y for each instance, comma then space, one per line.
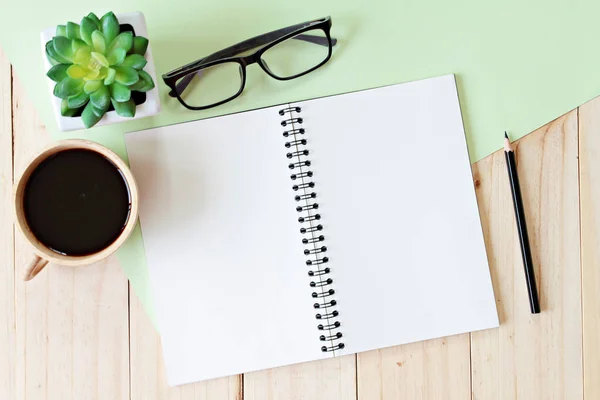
311, 227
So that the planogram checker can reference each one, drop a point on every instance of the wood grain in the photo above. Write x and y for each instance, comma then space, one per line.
319, 380
71, 323
589, 164
148, 377
7, 307
533, 356
434, 369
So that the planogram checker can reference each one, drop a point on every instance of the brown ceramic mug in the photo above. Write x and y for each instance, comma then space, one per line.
70, 206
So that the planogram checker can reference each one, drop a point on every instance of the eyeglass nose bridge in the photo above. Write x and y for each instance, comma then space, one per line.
255, 58
251, 59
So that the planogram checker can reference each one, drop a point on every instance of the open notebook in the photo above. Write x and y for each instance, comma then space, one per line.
312, 230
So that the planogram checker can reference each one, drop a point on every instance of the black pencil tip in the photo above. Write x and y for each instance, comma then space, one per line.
505, 134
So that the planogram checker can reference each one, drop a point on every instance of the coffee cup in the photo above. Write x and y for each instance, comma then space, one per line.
76, 204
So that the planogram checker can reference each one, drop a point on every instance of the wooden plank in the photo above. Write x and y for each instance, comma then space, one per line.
72, 323
589, 164
533, 356
148, 377
7, 306
434, 369
319, 380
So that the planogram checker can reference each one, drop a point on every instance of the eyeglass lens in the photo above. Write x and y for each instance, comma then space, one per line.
211, 85
297, 55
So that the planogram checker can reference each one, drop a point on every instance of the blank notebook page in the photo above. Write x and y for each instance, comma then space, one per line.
224, 252
399, 212
399, 220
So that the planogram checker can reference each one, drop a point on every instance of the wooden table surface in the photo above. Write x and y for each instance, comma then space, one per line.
76, 334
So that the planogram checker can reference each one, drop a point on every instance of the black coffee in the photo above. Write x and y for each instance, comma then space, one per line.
76, 202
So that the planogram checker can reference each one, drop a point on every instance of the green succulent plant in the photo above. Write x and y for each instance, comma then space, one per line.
94, 65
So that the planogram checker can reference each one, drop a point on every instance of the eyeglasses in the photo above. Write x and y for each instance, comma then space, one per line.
284, 54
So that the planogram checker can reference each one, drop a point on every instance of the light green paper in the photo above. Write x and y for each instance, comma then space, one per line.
519, 64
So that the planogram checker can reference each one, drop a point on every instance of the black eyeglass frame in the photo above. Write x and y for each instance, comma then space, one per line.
229, 54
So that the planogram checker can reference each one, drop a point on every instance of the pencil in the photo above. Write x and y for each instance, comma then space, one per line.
534, 303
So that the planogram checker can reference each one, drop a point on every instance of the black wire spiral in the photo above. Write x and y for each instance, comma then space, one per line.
311, 227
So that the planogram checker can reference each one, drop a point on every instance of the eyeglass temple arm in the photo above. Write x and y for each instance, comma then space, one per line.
249, 45
320, 40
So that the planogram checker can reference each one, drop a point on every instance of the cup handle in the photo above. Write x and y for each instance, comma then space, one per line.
34, 267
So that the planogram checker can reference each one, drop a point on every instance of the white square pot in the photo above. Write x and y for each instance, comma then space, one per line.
150, 107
